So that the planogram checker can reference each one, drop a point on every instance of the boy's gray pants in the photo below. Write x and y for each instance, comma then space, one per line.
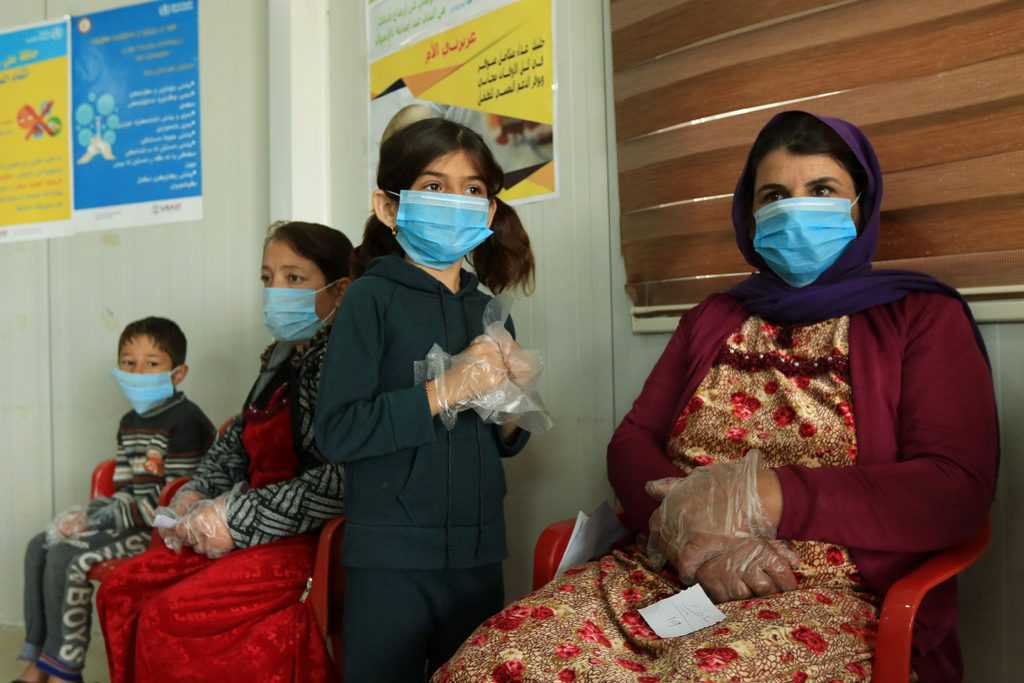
58, 596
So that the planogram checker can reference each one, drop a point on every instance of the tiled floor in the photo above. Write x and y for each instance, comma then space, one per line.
10, 643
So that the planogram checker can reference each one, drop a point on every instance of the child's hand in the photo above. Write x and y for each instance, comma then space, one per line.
475, 372
72, 523
523, 366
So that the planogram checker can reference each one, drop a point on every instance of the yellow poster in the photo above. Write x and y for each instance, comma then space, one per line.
35, 185
487, 64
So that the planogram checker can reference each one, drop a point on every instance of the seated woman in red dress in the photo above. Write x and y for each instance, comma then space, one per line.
230, 606
814, 434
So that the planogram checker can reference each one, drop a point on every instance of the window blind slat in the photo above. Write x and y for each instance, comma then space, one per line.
940, 93
992, 269
975, 84
840, 23
895, 53
901, 145
667, 25
989, 224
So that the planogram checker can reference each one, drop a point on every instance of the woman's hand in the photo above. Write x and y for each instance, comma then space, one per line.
205, 528
754, 566
706, 513
184, 500
176, 536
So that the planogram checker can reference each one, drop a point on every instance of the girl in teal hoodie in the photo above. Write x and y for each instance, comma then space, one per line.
425, 530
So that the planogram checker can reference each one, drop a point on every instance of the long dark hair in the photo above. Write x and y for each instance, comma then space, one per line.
801, 133
328, 248
502, 262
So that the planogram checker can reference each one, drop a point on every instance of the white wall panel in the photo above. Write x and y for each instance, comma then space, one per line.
25, 467
204, 275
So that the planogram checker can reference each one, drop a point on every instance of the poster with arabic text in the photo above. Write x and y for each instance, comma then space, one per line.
486, 64
35, 176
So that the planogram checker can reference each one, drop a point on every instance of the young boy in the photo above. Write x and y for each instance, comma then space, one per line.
162, 438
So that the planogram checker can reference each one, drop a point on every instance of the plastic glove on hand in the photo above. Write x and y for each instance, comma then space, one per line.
461, 379
66, 525
205, 528
176, 537
524, 367
475, 372
753, 567
184, 500
705, 513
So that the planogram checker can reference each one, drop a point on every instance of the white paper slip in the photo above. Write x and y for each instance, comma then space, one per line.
593, 535
685, 612
164, 522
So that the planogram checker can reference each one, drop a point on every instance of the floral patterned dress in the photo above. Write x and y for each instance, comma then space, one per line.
786, 392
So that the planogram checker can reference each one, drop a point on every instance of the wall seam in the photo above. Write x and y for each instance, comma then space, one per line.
611, 168
51, 388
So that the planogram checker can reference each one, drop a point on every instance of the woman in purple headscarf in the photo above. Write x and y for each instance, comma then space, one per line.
804, 441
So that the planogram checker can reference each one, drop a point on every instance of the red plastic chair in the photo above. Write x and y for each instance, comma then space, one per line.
103, 485
326, 595
891, 662
328, 591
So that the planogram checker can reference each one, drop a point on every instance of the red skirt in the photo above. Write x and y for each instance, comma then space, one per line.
184, 618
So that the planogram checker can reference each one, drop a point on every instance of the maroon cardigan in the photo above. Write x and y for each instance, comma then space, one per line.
927, 448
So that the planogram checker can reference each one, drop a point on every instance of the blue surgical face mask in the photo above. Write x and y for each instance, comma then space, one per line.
290, 313
145, 391
437, 229
801, 237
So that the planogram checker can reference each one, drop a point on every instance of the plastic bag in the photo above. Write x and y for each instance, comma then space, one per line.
101, 513
165, 521
206, 528
705, 513
512, 396
66, 526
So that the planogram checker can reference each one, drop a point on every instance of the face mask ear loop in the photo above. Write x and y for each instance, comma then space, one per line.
329, 285
394, 228
855, 200
337, 305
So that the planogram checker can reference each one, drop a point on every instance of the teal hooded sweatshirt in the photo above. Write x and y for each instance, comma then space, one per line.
417, 496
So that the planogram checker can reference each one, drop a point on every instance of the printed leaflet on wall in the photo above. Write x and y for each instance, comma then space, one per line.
99, 121
487, 64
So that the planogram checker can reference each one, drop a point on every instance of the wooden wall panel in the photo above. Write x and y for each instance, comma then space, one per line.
936, 85
819, 30
977, 225
975, 84
895, 53
667, 25
939, 138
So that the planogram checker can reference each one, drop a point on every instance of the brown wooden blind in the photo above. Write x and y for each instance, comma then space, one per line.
938, 86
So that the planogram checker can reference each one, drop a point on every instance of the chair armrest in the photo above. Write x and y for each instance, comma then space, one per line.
171, 488
328, 563
102, 483
896, 622
548, 552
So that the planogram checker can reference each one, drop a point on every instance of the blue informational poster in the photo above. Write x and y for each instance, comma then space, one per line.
135, 115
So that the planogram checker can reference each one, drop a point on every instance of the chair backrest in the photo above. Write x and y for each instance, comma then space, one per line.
102, 479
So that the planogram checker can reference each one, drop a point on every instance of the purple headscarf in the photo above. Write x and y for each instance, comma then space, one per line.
850, 285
